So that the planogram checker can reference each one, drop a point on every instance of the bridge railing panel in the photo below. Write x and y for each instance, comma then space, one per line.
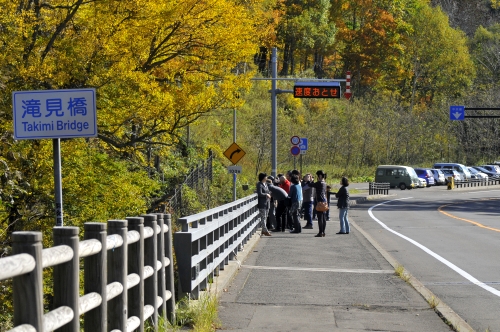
378, 188
210, 239
477, 182
124, 276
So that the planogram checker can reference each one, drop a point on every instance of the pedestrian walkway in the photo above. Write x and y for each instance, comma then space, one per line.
297, 282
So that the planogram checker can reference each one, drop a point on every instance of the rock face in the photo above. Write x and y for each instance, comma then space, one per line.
468, 15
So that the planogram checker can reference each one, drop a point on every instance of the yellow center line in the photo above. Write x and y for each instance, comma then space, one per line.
440, 209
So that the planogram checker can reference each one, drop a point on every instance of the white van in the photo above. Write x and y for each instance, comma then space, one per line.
402, 177
461, 169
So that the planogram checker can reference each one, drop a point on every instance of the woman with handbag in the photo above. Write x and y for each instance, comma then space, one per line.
263, 197
322, 204
343, 205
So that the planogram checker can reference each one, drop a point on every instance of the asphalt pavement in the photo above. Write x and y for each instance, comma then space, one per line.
297, 282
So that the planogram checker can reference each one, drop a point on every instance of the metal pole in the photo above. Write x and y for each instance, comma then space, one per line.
274, 110
56, 143
294, 162
234, 140
301, 163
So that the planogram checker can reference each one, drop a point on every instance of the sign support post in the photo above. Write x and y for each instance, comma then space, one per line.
234, 140
56, 143
301, 163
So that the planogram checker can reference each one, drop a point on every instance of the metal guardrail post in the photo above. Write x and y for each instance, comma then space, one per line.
67, 277
184, 252
95, 278
28, 288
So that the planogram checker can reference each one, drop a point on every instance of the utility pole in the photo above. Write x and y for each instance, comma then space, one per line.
274, 110
274, 104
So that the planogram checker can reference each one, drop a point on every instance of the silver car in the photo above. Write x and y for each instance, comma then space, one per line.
451, 173
439, 177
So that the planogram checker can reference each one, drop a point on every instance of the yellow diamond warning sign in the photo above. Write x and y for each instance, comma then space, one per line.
234, 153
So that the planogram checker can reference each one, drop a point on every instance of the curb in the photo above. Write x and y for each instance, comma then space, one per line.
449, 316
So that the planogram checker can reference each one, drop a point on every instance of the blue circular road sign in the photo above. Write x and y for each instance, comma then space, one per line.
295, 150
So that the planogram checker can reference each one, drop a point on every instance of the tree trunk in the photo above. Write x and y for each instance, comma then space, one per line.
286, 59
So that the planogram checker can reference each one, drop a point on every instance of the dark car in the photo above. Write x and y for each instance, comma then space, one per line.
485, 171
426, 174
492, 168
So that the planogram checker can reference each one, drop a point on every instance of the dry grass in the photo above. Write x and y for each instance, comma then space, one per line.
401, 272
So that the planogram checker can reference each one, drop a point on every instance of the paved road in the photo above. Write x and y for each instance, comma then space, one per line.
296, 282
456, 245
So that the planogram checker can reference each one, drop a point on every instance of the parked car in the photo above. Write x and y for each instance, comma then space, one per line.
439, 177
461, 169
399, 176
426, 174
451, 173
477, 175
485, 171
492, 168
422, 183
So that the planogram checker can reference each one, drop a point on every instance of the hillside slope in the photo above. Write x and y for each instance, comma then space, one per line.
468, 15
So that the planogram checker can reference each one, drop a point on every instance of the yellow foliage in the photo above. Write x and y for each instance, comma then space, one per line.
156, 65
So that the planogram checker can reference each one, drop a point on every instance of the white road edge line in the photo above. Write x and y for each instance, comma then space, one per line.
433, 254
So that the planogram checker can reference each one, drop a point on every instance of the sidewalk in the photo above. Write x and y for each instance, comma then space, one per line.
296, 282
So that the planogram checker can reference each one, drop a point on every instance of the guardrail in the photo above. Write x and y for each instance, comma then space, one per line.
210, 239
477, 183
378, 188
128, 276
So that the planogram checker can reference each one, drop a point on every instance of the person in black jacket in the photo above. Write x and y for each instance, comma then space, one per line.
277, 195
263, 197
343, 205
320, 196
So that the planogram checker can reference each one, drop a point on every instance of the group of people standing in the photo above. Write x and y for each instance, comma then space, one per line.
283, 199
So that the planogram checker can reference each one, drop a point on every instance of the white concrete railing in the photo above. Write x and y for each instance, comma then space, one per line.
114, 291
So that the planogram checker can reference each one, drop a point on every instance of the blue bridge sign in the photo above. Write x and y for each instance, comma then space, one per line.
457, 113
303, 145
54, 114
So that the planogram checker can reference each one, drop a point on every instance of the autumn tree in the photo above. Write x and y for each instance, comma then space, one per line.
370, 40
157, 66
305, 28
437, 59
485, 47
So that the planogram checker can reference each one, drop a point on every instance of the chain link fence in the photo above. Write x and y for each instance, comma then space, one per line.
198, 179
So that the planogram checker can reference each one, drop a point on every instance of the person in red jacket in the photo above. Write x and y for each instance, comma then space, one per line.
284, 183
282, 209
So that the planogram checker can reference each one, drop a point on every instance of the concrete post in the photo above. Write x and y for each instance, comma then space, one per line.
95, 278
28, 288
67, 277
